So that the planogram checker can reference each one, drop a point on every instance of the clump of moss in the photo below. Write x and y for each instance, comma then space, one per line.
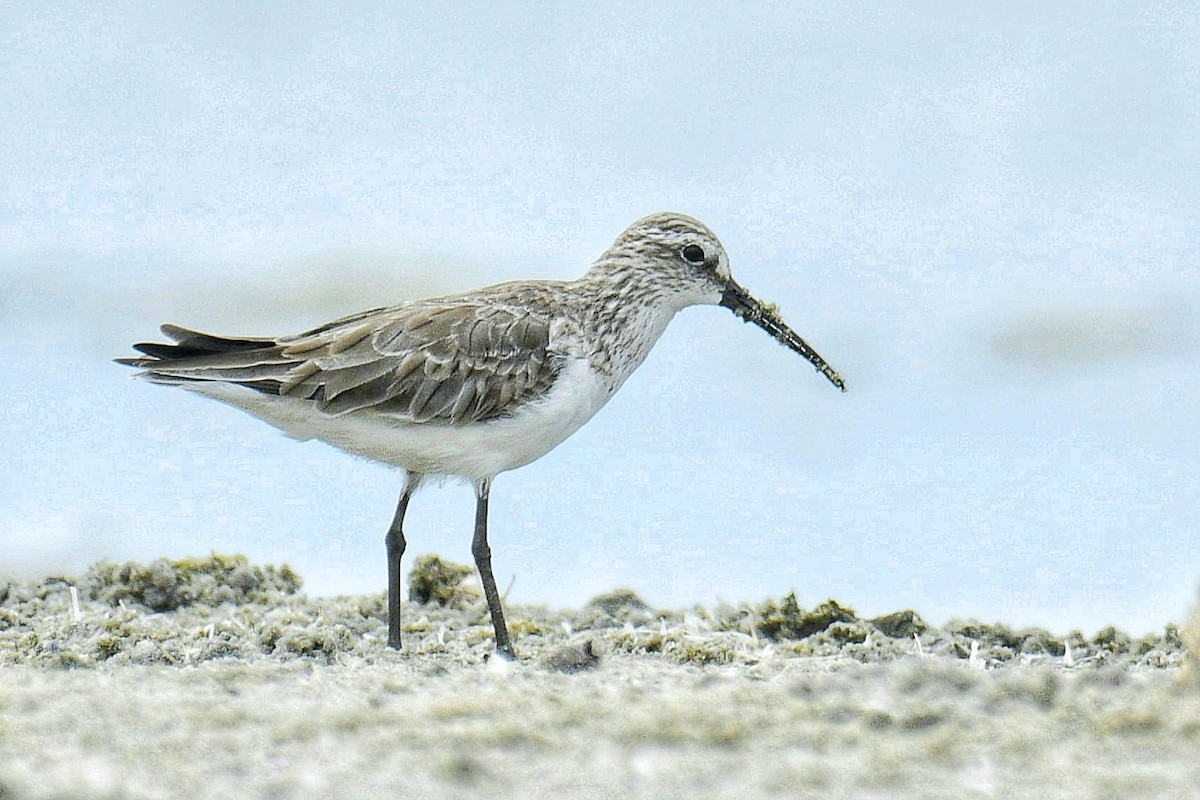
1113, 640
614, 609
1003, 643
433, 580
108, 646
521, 627
295, 640
702, 653
787, 620
572, 658
1039, 641
900, 624
679, 646
9, 619
620, 600
844, 633
166, 585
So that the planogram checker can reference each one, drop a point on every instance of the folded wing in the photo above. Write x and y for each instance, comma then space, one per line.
419, 362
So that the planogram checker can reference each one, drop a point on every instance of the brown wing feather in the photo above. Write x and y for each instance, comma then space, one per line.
448, 363
421, 362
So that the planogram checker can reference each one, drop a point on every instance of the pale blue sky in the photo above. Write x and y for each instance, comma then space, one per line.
984, 217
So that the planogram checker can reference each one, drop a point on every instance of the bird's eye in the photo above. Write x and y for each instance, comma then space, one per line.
693, 254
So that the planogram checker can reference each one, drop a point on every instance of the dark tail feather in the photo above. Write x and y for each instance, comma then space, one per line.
187, 344
207, 343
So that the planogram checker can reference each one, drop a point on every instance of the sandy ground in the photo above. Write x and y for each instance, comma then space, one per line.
217, 678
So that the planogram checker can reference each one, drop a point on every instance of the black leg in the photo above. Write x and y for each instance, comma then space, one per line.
483, 560
395, 543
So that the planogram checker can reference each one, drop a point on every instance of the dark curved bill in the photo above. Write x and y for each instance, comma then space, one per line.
740, 302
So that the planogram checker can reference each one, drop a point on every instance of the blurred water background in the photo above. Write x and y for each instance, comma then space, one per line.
985, 217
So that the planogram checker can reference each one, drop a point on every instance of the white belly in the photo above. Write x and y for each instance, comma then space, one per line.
473, 451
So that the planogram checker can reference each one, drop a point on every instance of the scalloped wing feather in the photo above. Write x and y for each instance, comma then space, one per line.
449, 362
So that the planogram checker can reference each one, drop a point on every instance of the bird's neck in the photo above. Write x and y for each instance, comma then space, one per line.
627, 314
